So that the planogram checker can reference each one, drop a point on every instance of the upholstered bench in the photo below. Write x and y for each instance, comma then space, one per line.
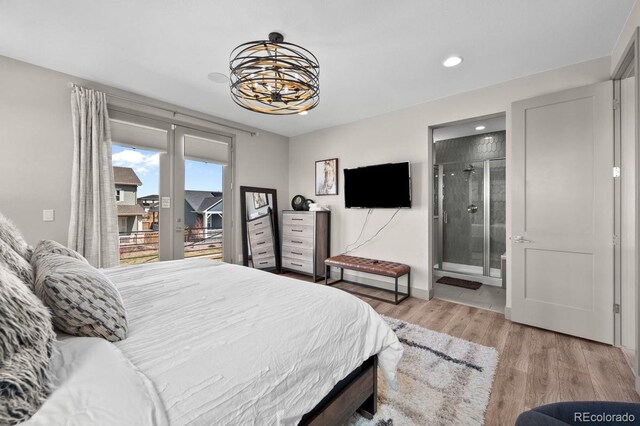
370, 266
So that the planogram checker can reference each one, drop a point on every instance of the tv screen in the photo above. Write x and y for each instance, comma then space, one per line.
379, 186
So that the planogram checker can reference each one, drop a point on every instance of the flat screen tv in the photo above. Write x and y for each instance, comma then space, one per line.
379, 186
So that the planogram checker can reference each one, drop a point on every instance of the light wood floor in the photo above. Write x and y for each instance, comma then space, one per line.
536, 366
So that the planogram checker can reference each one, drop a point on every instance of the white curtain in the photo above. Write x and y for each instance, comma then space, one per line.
93, 228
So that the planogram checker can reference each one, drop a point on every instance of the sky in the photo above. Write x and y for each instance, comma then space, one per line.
198, 175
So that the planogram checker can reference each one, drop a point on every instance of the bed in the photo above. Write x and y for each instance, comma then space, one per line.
214, 343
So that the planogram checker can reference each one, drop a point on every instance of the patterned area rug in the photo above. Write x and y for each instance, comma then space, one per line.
442, 380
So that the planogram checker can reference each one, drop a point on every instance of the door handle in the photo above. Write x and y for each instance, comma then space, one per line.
520, 239
445, 217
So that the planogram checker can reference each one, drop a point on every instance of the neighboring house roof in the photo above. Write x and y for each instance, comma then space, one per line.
200, 201
217, 207
155, 197
125, 176
126, 210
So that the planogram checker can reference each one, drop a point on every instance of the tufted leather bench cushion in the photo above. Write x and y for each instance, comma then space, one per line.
372, 266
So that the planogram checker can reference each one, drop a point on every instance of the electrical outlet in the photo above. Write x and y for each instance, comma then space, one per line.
48, 215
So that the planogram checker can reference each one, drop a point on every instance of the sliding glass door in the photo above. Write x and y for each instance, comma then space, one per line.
202, 179
171, 182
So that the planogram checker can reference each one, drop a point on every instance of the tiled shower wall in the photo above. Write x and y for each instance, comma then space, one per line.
463, 236
486, 146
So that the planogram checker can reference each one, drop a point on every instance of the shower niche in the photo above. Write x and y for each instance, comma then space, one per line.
469, 205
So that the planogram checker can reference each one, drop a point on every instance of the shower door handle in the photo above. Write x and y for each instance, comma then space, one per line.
520, 239
445, 217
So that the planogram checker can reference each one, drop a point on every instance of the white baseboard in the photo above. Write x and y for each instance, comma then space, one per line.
418, 293
507, 313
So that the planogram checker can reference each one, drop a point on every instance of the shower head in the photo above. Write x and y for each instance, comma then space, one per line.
470, 169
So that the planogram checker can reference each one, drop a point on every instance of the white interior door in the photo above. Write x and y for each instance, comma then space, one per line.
563, 212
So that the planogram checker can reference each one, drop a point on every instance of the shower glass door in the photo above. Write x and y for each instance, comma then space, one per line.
462, 208
497, 212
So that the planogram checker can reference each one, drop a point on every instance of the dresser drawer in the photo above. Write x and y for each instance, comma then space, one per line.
262, 252
295, 241
261, 223
297, 219
304, 231
297, 253
261, 244
297, 265
260, 233
266, 262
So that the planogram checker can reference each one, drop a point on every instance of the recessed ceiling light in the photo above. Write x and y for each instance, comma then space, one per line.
218, 77
480, 127
452, 61
303, 113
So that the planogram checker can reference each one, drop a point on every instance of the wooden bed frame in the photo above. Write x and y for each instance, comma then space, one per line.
357, 392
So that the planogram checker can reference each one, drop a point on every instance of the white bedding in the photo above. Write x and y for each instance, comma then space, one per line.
213, 343
96, 385
225, 344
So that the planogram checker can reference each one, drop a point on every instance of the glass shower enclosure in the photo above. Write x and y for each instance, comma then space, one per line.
469, 215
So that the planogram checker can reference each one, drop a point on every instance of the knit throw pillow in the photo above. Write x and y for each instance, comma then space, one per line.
10, 235
84, 302
46, 247
26, 341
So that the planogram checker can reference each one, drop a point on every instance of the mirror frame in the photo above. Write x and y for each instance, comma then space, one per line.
276, 230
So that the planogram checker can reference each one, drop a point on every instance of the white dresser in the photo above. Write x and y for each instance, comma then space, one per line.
261, 242
305, 241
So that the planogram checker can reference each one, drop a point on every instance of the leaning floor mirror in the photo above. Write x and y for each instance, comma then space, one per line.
260, 233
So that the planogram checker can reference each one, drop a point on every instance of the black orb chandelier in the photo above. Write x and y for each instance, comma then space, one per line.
274, 77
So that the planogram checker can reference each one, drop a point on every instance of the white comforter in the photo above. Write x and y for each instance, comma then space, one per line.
96, 385
225, 344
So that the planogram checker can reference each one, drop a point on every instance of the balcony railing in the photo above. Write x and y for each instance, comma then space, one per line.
143, 246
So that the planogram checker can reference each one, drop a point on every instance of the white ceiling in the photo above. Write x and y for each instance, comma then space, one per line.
375, 55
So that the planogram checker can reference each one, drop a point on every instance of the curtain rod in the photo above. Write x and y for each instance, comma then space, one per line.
252, 133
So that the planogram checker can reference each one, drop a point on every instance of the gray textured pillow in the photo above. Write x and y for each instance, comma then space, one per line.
10, 235
16, 264
84, 302
26, 339
46, 247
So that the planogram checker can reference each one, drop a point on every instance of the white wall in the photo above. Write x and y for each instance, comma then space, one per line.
36, 150
633, 21
402, 135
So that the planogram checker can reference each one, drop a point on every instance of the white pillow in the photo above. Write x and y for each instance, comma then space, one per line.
97, 385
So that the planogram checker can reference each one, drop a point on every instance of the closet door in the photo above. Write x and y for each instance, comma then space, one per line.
563, 212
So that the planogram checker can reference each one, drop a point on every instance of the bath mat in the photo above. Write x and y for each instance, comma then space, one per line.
457, 282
